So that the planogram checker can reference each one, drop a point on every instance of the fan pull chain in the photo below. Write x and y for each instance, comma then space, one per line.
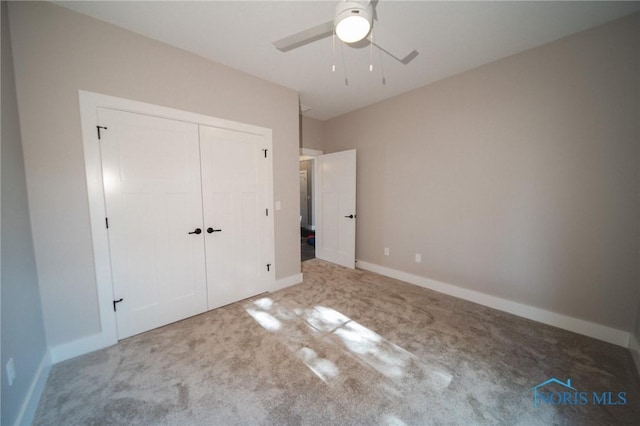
333, 67
384, 80
344, 65
371, 51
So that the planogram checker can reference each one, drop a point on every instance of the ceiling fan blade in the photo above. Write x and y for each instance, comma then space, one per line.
393, 45
304, 37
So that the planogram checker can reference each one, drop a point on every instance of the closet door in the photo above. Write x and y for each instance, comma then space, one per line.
152, 184
238, 230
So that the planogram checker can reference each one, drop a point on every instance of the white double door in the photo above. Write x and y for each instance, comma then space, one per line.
188, 225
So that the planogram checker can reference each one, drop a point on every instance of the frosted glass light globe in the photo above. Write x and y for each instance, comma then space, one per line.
353, 21
352, 29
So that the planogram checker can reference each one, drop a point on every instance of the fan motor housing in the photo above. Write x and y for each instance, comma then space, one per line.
353, 9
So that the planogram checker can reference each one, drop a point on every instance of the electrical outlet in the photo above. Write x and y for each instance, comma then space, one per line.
386, 251
418, 258
11, 371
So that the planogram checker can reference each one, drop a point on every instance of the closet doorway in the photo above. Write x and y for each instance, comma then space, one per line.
181, 212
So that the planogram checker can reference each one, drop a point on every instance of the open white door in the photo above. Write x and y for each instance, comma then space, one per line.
336, 208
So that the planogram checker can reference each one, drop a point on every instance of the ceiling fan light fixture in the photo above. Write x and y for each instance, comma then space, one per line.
352, 22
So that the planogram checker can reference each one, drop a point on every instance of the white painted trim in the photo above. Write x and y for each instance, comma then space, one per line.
634, 347
89, 104
587, 328
287, 282
310, 152
80, 346
314, 174
32, 398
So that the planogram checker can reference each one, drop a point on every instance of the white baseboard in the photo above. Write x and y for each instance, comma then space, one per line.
81, 346
287, 282
32, 399
634, 347
587, 328
102, 340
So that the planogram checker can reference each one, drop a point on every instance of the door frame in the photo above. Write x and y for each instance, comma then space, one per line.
306, 199
311, 154
89, 103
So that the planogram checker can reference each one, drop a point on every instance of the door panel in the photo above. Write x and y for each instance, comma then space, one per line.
335, 232
151, 173
235, 184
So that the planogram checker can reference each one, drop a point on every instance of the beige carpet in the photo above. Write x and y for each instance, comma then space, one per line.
345, 347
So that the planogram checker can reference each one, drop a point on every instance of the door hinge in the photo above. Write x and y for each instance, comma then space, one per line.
265, 153
106, 222
267, 212
98, 128
268, 266
115, 302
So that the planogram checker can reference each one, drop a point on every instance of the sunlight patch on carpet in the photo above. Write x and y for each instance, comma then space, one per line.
303, 329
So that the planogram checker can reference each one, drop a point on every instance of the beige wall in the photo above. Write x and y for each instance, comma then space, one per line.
635, 334
517, 179
56, 53
634, 345
311, 137
23, 336
311, 133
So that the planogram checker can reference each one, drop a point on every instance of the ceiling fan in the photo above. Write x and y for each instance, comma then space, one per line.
353, 21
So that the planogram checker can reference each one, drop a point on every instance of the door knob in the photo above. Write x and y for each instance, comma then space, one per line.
196, 231
351, 216
211, 230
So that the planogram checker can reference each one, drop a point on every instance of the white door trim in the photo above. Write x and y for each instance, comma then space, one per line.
307, 154
305, 223
89, 103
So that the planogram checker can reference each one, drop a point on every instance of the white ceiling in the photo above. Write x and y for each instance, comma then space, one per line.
451, 37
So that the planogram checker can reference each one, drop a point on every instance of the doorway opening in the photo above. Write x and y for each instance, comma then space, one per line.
328, 208
307, 204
